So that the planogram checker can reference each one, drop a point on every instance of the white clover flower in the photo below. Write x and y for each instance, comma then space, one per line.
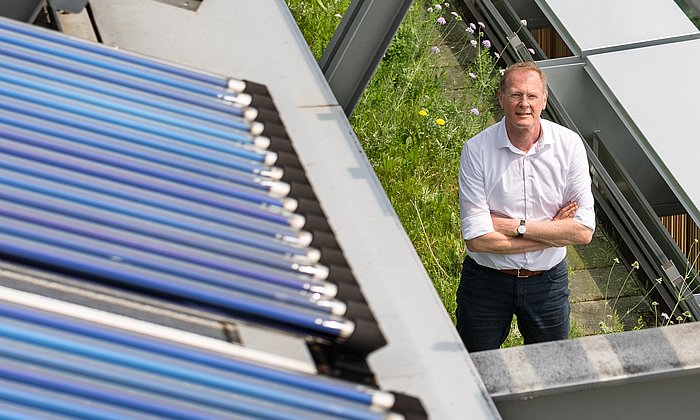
430, 10
472, 75
502, 71
338, 15
441, 21
470, 30
635, 265
474, 43
471, 25
435, 50
486, 43
523, 22
481, 24
438, 6
455, 14
497, 55
531, 51
474, 111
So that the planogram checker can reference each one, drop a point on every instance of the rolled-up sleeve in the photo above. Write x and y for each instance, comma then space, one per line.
579, 186
474, 210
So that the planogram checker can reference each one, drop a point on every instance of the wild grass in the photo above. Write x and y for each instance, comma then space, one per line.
412, 123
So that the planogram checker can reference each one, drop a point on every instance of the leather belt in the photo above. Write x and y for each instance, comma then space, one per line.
521, 273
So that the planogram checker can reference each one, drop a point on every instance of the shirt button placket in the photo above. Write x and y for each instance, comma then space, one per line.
527, 190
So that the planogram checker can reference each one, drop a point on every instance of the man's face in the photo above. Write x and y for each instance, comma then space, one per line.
524, 98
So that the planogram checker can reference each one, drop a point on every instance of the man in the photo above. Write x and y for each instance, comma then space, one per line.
525, 194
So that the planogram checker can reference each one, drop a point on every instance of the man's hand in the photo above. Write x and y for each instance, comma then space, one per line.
566, 212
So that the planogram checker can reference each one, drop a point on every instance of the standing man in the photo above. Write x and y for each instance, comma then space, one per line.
524, 195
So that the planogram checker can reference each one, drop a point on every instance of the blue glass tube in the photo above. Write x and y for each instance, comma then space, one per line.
236, 130
253, 203
110, 76
117, 54
281, 256
101, 392
139, 381
82, 56
129, 143
73, 336
52, 404
155, 254
118, 246
230, 144
294, 317
138, 165
272, 224
27, 411
65, 78
138, 210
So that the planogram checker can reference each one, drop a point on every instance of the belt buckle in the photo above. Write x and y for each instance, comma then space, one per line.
521, 277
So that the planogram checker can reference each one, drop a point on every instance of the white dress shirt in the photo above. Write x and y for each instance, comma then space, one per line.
497, 177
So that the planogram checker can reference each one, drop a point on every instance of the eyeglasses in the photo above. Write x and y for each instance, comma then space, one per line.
518, 97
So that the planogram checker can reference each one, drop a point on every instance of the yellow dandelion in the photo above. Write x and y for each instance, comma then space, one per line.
423, 113
440, 121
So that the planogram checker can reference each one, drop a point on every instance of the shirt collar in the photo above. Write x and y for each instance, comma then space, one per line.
545, 138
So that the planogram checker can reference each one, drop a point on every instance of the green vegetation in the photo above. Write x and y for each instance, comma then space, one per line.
412, 127
412, 122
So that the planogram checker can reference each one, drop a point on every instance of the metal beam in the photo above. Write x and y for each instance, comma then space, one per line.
358, 45
645, 374
25, 10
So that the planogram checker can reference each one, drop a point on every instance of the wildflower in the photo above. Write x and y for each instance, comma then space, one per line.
430, 10
423, 112
616, 261
635, 265
481, 24
472, 75
659, 280
474, 43
455, 14
438, 6
472, 26
470, 30
531, 51
435, 50
654, 303
665, 316
695, 240
687, 314
446, 4
338, 15
523, 22
474, 111
440, 121
502, 71
441, 20
497, 55
486, 43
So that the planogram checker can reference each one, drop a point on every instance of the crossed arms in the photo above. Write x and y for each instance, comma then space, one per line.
562, 230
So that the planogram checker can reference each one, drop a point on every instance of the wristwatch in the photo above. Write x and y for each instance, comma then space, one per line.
521, 228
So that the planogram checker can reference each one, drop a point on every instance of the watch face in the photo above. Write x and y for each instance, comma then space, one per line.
521, 229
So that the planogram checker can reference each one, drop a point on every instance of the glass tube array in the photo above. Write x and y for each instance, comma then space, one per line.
178, 184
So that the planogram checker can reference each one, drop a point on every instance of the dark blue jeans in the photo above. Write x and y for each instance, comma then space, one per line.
487, 299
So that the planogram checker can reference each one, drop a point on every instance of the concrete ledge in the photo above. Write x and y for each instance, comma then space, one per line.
643, 374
